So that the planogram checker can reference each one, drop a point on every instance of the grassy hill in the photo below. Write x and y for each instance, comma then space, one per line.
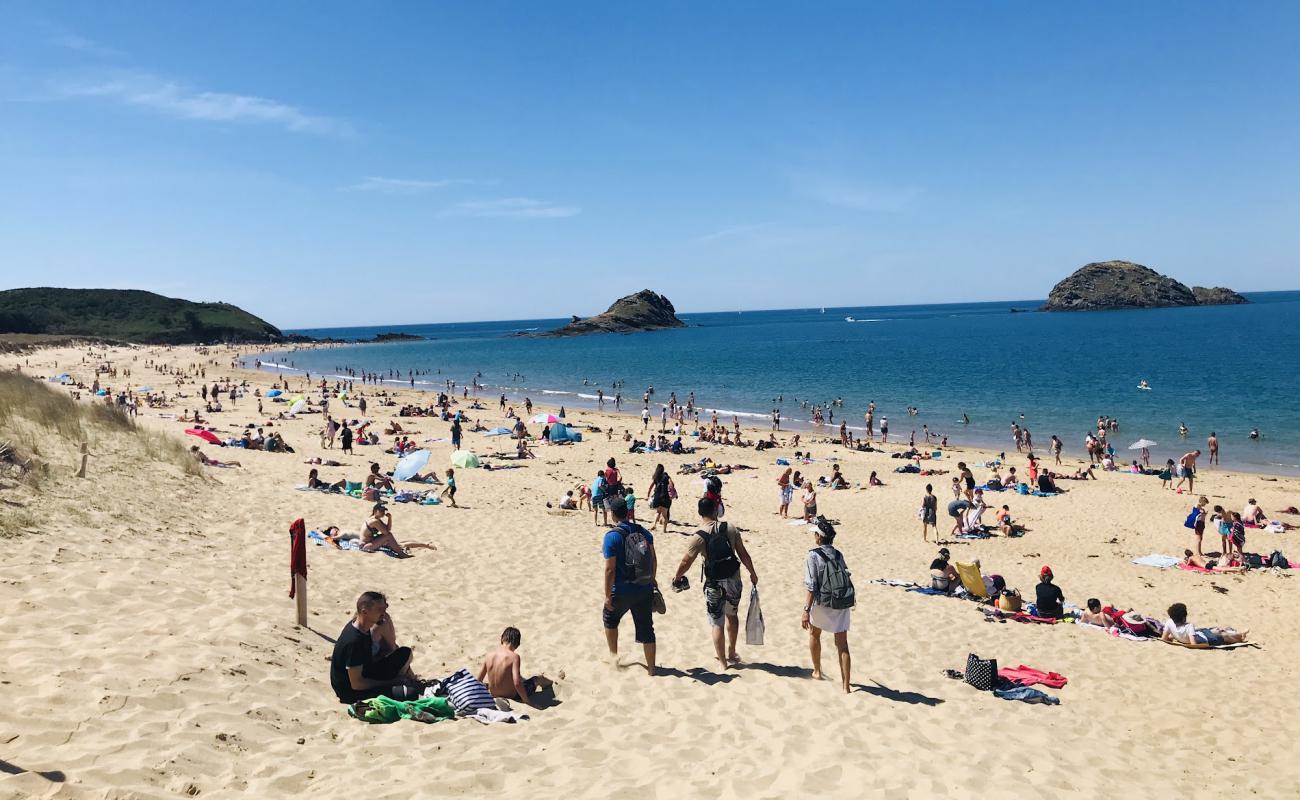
128, 315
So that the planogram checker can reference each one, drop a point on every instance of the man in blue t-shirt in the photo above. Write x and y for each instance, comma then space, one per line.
628, 588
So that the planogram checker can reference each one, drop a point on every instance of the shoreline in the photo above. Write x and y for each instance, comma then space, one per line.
758, 421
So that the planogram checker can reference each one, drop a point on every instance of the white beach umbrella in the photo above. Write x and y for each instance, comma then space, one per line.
1141, 443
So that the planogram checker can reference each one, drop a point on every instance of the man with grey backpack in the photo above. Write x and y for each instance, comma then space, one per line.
829, 599
630, 568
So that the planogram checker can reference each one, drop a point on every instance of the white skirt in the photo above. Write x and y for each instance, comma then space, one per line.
831, 620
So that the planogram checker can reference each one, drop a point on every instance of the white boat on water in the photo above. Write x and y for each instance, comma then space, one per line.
850, 319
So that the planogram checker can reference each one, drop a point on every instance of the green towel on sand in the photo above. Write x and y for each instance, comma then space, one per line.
383, 709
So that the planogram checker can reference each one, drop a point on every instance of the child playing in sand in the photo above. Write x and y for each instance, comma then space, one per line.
502, 672
450, 491
809, 502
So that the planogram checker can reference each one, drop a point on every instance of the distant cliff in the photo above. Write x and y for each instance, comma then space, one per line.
128, 315
1123, 284
643, 311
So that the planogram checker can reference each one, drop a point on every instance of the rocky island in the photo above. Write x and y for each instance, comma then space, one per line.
1123, 284
643, 311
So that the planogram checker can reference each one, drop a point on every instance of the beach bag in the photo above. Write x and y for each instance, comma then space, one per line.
719, 559
637, 567
1011, 602
466, 693
1193, 518
981, 672
1254, 560
1276, 559
834, 586
1022, 488
754, 620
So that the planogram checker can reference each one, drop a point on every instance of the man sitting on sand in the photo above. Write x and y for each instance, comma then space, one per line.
1177, 630
377, 481
502, 672
367, 661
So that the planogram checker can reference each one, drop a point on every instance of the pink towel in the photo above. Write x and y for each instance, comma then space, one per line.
1028, 676
1194, 568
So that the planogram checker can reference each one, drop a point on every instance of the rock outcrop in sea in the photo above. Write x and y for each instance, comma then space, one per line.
1123, 284
643, 311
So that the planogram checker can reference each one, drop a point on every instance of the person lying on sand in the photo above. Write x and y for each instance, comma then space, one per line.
1193, 560
1177, 630
203, 459
502, 671
378, 534
314, 482
323, 462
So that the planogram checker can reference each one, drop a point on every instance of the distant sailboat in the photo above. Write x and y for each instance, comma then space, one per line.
823, 309
850, 319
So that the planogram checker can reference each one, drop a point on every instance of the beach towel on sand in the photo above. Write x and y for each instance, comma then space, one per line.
1156, 560
382, 710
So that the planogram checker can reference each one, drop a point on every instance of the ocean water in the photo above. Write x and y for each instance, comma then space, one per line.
1226, 369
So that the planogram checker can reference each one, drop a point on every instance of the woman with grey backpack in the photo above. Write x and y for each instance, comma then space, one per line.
830, 597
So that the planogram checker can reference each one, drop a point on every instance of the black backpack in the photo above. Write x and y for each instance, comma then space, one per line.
1276, 559
720, 561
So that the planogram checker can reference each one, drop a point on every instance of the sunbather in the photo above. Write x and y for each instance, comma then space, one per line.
1095, 616
943, 575
378, 533
314, 482
203, 459
1252, 514
502, 671
1178, 630
377, 481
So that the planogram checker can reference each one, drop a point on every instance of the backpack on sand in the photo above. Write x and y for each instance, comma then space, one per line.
637, 566
834, 586
720, 560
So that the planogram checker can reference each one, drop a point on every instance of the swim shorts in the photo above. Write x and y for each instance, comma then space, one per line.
722, 597
639, 604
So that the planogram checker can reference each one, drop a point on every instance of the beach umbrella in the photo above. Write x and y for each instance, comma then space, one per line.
145, 389
101, 392
64, 377
498, 432
273, 393
545, 419
298, 406
465, 459
1141, 443
410, 465
207, 436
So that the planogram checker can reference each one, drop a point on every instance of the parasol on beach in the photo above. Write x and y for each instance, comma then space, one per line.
410, 465
465, 459
1141, 443
273, 393
544, 419
298, 407
207, 436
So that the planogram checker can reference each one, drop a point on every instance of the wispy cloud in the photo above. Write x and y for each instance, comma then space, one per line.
174, 99
372, 183
857, 196
80, 44
731, 232
517, 207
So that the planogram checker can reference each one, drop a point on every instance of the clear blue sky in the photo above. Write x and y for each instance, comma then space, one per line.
375, 163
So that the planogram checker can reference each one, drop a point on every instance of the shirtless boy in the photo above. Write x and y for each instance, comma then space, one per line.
502, 674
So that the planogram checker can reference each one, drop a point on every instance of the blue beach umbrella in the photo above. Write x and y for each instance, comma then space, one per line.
273, 393
410, 465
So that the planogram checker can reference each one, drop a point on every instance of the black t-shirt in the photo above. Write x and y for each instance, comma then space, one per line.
1050, 600
353, 649
939, 564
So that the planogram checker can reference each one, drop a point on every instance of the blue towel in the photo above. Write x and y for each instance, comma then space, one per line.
1027, 694
926, 590
783, 462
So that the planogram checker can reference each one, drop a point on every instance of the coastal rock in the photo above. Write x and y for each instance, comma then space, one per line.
1123, 284
397, 337
643, 311
1217, 296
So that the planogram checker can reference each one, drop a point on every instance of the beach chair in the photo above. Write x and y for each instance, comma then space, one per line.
972, 580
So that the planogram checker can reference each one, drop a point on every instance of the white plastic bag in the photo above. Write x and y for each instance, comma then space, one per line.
754, 619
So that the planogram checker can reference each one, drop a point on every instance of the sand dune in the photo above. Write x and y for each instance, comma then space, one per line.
151, 650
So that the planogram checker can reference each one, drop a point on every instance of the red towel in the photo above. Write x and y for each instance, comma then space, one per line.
1021, 616
1028, 676
297, 553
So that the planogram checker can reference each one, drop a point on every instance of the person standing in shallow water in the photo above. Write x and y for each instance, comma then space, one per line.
1212, 446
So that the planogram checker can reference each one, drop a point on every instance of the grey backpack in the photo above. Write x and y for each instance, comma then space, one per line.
637, 564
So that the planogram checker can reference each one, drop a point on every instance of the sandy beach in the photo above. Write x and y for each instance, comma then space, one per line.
153, 652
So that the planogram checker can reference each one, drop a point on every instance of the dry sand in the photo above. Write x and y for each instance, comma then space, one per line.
151, 649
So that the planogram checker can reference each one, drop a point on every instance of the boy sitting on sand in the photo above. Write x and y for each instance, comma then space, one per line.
502, 672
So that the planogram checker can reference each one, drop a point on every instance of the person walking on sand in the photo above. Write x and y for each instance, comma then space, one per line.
661, 499
1187, 470
629, 582
787, 492
829, 599
455, 433
502, 671
724, 552
346, 437
929, 514
449, 491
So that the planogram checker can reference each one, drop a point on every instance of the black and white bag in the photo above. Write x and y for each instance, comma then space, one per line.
981, 673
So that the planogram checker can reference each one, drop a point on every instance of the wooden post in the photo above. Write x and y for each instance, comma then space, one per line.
300, 596
85, 454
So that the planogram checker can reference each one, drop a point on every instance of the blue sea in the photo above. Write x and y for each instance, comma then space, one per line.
1226, 369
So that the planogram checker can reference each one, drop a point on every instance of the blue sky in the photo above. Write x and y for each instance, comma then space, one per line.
332, 164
